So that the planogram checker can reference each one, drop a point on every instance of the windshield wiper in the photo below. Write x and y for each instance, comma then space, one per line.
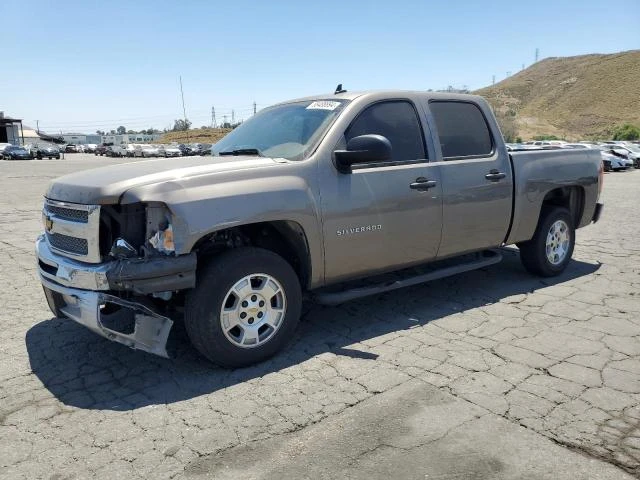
242, 151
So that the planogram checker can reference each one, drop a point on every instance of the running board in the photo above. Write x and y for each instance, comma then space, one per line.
335, 295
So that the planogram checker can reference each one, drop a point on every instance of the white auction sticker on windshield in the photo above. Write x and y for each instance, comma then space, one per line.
323, 105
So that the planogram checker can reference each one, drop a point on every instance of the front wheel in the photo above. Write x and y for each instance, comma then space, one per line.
245, 307
549, 251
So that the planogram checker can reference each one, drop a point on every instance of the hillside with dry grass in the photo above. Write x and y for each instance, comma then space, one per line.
200, 135
578, 97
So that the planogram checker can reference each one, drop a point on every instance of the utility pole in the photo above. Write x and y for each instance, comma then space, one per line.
233, 117
537, 54
184, 111
254, 107
38, 126
213, 117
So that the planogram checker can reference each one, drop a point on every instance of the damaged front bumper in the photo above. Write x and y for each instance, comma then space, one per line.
85, 293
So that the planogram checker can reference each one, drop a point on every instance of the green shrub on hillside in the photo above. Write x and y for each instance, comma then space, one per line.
546, 137
626, 132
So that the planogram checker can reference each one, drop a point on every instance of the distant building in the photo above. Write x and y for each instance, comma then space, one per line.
81, 138
30, 136
10, 130
130, 138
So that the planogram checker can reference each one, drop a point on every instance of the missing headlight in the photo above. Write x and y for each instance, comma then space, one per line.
160, 229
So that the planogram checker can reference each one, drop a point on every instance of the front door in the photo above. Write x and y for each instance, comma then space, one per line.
378, 217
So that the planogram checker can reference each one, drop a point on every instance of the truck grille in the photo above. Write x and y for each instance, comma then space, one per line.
74, 245
72, 229
69, 213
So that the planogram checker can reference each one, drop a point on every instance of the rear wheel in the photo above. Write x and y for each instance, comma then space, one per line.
549, 251
245, 307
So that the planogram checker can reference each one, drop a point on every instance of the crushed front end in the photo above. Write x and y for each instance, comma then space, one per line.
114, 270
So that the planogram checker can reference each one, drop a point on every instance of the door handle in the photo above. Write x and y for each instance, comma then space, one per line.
495, 175
422, 183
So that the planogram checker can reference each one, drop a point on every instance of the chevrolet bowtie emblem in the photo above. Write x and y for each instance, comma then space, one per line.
48, 223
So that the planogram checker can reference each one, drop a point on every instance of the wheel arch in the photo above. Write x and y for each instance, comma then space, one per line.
570, 197
285, 238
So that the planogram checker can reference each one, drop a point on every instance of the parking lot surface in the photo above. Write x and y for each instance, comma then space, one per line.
553, 365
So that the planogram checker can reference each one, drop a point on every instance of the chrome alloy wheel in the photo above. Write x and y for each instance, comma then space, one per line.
558, 240
253, 310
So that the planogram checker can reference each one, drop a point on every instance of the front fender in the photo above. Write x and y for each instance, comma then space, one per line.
201, 208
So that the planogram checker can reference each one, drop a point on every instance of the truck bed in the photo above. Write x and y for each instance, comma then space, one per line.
537, 172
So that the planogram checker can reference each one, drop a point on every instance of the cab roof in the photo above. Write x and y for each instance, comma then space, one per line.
385, 93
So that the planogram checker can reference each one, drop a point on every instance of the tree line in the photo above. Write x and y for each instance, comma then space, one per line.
121, 130
179, 125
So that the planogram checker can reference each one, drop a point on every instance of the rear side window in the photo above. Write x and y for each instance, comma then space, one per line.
396, 120
462, 129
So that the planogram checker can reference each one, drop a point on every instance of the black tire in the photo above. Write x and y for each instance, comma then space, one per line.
533, 252
203, 305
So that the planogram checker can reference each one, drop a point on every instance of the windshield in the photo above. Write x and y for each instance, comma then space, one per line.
289, 131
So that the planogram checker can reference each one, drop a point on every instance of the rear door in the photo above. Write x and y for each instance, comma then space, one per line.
379, 217
476, 179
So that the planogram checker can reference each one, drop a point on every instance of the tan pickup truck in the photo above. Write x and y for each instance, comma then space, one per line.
328, 197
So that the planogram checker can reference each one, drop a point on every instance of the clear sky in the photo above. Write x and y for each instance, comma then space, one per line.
79, 65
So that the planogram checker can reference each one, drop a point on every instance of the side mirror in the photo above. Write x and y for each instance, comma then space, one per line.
363, 149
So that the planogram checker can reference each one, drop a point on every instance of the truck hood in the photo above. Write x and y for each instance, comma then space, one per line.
106, 185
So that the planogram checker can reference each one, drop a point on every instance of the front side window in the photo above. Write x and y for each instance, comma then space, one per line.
398, 122
462, 129
289, 131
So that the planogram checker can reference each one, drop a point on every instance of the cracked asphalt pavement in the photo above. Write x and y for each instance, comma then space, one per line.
489, 374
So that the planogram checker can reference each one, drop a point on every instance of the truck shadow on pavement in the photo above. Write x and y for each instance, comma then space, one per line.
84, 370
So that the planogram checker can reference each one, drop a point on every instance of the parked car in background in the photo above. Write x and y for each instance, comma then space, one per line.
90, 148
613, 162
510, 147
150, 151
47, 151
137, 149
186, 150
100, 150
71, 148
130, 150
3, 147
32, 148
172, 151
200, 148
119, 151
631, 152
543, 144
621, 153
576, 145
13, 152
